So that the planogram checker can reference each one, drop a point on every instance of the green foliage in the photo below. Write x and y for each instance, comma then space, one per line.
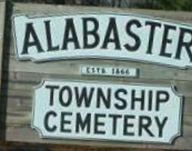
188, 5
184, 5
174, 4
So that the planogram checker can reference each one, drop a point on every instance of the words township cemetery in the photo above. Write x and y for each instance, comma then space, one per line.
105, 99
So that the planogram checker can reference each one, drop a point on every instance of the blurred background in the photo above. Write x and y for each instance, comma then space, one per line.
185, 5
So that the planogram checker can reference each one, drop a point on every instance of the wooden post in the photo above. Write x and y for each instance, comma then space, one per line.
2, 15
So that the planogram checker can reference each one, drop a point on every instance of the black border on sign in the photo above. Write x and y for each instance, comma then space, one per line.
172, 139
33, 15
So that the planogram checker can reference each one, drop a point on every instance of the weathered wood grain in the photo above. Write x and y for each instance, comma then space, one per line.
47, 9
15, 132
26, 81
22, 76
153, 72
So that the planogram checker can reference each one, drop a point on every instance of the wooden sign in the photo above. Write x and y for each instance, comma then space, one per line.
47, 43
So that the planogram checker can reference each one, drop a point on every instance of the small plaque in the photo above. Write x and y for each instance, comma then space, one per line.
109, 71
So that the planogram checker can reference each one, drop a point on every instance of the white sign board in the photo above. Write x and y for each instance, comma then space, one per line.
108, 71
107, 35
102, 111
